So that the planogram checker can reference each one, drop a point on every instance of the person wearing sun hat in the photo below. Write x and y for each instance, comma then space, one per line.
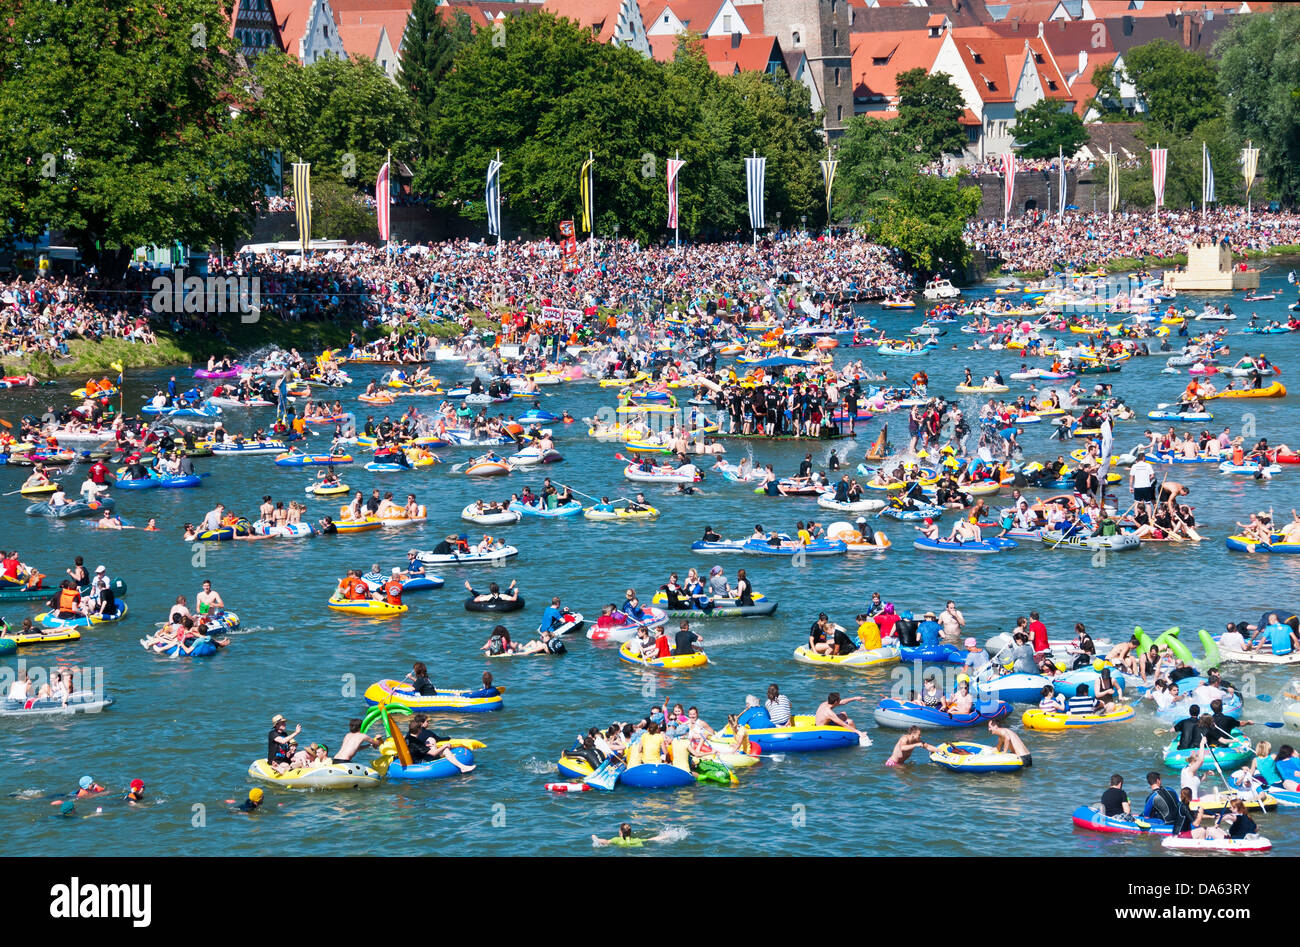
929, 630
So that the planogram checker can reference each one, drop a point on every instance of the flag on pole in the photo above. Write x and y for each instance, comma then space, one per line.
828, 177
492, 195
383, 199
1008, 180
755, 170
585, 188
1249, 165
1207, 177
302, 202
674, 167
1112, 182
1060, 157
1159, 161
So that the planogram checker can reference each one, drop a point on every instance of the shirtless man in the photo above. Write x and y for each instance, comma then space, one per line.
908, 742
208, 601
828, 716
354, 741
1009, 741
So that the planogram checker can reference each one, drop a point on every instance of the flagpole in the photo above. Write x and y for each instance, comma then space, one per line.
677, 194
1202, 180
1060, 204
388, 206
1248, 183
591, 199
753, 228
500, 262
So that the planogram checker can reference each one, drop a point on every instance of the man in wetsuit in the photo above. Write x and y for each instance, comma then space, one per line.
1161, 804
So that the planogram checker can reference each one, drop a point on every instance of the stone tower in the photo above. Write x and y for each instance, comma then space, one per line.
820, 30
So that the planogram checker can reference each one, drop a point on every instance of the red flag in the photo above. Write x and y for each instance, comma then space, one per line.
382, 201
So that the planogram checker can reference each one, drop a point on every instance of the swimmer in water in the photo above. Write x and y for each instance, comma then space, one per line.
908, 742
626, 839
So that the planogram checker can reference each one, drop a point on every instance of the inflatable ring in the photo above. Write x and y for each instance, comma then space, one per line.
494, 605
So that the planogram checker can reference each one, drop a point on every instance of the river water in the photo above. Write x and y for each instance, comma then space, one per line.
189, 728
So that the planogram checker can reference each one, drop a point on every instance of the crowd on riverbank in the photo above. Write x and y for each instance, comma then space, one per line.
1087, 240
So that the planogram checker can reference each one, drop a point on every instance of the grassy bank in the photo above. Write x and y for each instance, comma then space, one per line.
96, 358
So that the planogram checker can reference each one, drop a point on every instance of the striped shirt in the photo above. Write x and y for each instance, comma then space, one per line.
1083, 704
779, 710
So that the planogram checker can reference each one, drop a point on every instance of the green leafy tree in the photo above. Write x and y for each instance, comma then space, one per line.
1183, 167
925, 218
551, 94
929, 110
429, 48
1259, 76
1178, 87
337, 212
126, 126
875, 159
1043, 130
342, 115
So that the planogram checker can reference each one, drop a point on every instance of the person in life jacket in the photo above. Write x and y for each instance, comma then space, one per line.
352, 587
66, 603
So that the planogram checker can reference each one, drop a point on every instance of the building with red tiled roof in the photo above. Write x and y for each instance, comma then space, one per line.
999, 77
878, 58
748, 53
373, 29
611, 21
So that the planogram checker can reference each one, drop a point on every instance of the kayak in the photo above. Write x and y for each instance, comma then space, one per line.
976, 758
901, 714
450, 701
86, 702
672, 662
367, 606
855, 659
49, 620
1250, 843
1054, 722
1094, 820
331, 776
978, 547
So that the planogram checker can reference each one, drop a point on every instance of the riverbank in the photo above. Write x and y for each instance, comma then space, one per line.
88, 357
1128, 264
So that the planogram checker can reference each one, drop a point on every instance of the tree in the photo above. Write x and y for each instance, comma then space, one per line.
1259, 75
1178, 87
429, 47
1044, 130
1183, 166
875, 158
925, 219
337, 212
929, 110
551, 94
341, 115
126, 126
